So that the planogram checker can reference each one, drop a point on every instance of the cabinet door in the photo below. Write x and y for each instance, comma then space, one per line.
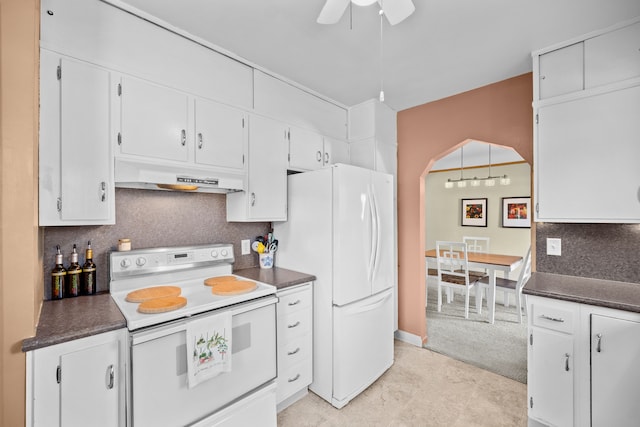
305, 149
612, 57
561, 71
586, 159
615, 377
335, 151
550, 380
220, 135
154, 121
267, 170
89, 386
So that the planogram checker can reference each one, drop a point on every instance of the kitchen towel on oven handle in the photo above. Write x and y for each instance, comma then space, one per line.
208, 347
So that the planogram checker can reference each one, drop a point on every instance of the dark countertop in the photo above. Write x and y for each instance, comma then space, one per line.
603, 293
281, 278
72, 318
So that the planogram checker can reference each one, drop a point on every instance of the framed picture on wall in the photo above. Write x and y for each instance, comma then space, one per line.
516, 212
474, 212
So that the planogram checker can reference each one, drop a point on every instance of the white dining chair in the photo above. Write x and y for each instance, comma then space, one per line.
431, 282
453, 272
514, 286
477, 244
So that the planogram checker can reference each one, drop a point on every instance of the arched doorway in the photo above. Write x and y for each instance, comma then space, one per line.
500, 113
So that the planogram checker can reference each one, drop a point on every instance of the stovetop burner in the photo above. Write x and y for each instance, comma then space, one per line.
184, 267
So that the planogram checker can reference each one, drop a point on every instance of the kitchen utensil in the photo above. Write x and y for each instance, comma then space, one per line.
272, 248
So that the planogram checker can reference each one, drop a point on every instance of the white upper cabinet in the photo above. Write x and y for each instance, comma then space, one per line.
283, 101
336, 151
266, 196
154, 121
373, 136
76, 175
561, 71
612, 57
220, 135
585, 138
306, 150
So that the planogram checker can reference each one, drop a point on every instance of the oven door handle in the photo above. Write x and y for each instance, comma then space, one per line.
181, 325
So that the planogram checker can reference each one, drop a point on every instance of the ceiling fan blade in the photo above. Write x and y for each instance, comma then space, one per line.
332, 11
397, 10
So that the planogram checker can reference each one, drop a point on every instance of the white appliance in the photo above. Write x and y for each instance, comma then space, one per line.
340, 228
158, 392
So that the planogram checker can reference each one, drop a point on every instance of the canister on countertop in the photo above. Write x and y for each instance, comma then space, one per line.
73, 276
124, 245
88, 273
58, 275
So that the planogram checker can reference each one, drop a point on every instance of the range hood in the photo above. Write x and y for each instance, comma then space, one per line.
156, 175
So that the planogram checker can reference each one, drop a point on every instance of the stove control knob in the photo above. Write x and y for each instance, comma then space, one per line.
125, 263
224, 252
214, 254
141, 261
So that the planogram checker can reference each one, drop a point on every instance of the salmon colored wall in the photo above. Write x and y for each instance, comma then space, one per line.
21, 284
499, 113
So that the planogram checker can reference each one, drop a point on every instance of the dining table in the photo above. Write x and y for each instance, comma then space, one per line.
490, 262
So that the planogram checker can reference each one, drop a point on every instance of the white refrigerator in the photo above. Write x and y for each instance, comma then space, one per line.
340, 229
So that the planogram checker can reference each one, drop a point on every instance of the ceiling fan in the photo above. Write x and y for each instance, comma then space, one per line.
395, 10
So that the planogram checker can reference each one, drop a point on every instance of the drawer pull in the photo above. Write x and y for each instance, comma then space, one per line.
291, 353
296, 302
553, 319
110, 376
566, 362
294, 325
598, 347
294, 378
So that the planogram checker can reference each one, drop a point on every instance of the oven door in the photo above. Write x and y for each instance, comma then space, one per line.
158, 383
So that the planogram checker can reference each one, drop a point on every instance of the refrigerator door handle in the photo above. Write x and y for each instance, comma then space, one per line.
377, 235
372, 235
369, 307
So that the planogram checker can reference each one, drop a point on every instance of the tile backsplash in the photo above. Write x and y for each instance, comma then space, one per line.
153, 219
600, 251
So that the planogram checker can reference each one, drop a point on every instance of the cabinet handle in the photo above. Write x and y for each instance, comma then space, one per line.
326, 158
296, 302
294, 325
200, 140
294, 378
183, 137
598, 346
543, 77
253, 199
291, 353
553, 319
110, 371
103, 191
319, 156
566, 362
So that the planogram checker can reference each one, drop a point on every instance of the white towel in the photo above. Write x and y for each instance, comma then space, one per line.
208, 347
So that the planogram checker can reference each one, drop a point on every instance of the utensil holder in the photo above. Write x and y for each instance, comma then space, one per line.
266, 259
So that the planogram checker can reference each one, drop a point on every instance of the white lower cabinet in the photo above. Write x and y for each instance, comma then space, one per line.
295, 341
582, 364
78, 383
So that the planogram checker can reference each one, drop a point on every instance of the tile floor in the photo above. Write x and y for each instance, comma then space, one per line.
422, 388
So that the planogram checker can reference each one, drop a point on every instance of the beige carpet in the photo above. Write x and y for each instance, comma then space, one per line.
422, 388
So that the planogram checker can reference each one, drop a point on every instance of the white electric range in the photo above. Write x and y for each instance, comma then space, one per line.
158, 391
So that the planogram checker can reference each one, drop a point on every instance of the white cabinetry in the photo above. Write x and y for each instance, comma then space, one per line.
551, 361
581, 364
80, 382
373, 136
266, 196
76, 185
615, 379
155, 121
586, 104
220, 135
295, 341
306, 150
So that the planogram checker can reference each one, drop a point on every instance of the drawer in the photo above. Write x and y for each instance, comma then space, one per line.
294, 351
295, 300
557, 317
294, 325
294, 379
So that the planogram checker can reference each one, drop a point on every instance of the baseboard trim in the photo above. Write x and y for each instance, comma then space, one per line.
409, 338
